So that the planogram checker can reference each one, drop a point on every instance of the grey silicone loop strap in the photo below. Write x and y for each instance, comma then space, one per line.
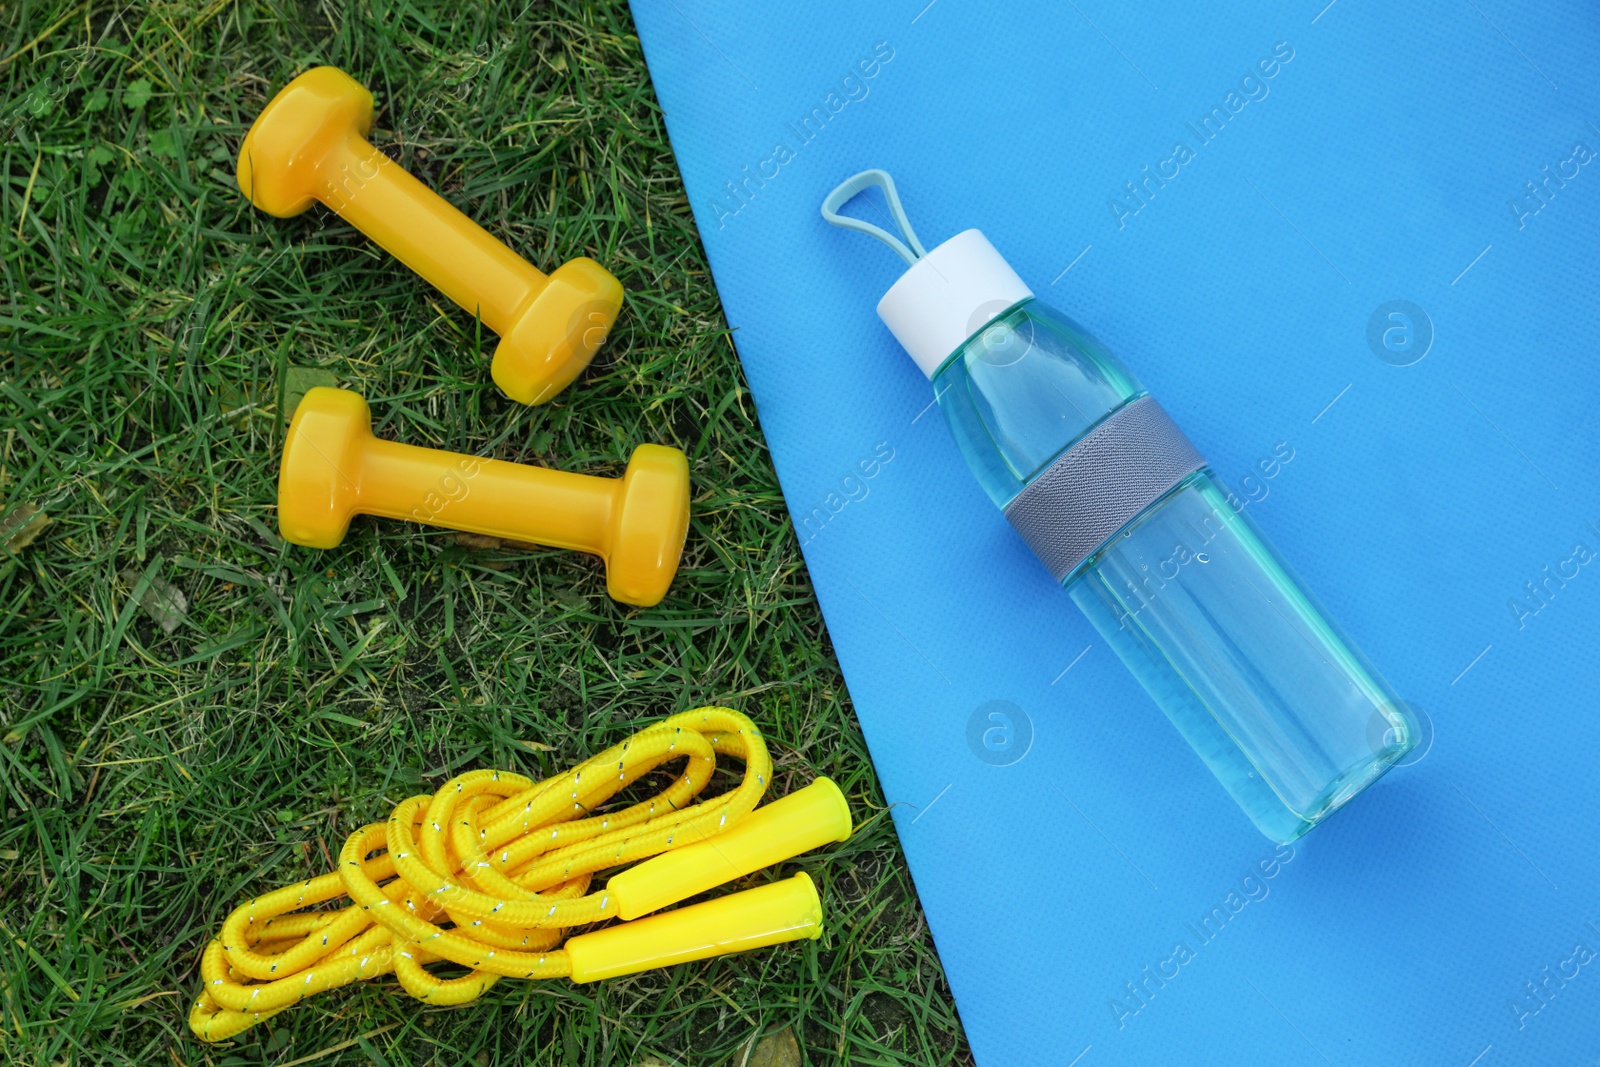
1101, 484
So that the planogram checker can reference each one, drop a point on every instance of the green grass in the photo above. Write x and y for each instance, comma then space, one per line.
155, 331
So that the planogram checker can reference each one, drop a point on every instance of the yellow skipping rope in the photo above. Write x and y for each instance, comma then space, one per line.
492, 870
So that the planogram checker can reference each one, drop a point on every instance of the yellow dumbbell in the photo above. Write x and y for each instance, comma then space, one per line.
334, 469
310, 144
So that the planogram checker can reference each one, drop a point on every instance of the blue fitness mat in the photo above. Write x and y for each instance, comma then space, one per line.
1100, 900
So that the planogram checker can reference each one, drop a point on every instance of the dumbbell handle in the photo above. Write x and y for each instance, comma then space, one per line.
486, 496
425, 232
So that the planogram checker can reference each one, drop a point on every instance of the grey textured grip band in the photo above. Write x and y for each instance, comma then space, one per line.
1100, 484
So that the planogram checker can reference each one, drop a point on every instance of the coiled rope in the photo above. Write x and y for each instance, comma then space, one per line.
488, 873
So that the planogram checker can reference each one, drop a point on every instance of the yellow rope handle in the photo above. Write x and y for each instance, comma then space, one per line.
487, 873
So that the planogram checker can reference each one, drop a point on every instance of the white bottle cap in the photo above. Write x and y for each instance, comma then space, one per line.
947, 296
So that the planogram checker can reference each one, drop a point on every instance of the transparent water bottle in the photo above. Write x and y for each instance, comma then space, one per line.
1149, 543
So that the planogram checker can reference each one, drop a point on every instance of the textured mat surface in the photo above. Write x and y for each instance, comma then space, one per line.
1231, 200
